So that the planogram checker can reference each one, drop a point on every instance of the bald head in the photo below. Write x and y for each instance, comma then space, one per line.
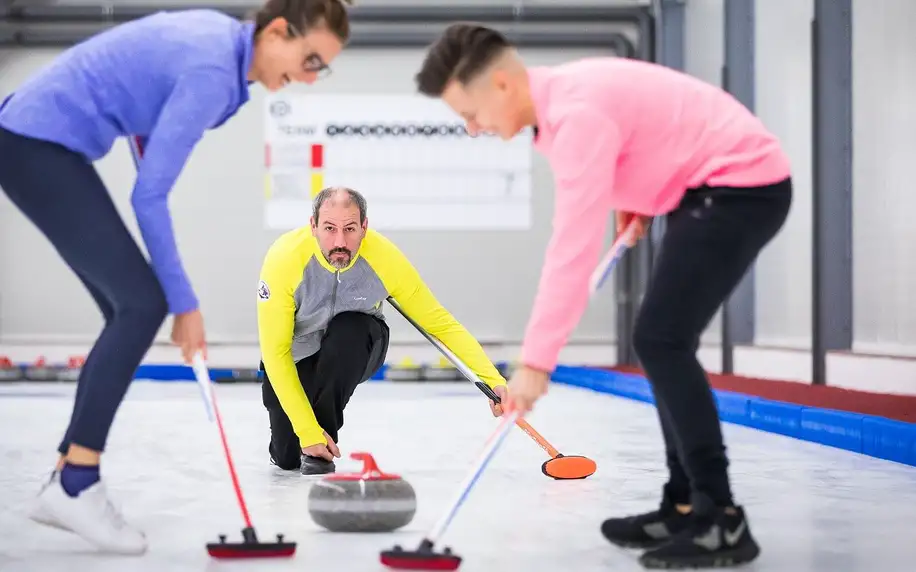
339, 197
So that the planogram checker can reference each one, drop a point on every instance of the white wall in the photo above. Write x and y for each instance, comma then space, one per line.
783, 101
783, 98
40, 299
487, 279
884, 155
884, 87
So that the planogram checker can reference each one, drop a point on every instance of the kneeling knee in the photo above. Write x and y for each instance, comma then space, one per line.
349, 329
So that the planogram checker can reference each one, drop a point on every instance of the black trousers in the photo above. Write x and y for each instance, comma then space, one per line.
711, 240
60, 192
353, 349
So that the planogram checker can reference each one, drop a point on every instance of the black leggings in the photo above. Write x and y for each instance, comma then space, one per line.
61, 193
711, 240
352, 350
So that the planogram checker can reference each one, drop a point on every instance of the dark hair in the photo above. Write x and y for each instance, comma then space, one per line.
305, 15
462, 52
329, 192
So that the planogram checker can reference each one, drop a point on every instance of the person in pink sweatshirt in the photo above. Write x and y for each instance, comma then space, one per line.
638, 140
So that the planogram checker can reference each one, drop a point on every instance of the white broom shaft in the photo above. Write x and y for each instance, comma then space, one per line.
610, 259
490, 448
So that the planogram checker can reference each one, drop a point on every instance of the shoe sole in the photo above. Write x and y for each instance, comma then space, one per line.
40, 515
318, 472
51, 523
636, 544
103, 547
728, 559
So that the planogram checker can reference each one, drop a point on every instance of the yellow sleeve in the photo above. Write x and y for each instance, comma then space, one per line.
281, 274
405, 285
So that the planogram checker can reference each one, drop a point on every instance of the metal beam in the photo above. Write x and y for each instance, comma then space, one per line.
738, 73
421, 12
363, 36
626, 30
832, 108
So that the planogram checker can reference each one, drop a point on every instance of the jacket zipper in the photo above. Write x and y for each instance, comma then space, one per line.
334, 294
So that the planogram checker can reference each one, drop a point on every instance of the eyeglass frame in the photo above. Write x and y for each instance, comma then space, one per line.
312, 62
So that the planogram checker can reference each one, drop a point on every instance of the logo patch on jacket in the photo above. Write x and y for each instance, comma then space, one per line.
263, 291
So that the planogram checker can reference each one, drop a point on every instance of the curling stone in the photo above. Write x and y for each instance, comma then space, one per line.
405, 370
442, 371
8, 371
73, 369
41, 371
369, 501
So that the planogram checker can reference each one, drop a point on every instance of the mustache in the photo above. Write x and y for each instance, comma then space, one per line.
339, 251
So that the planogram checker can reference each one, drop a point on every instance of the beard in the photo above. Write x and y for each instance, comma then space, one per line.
340, 261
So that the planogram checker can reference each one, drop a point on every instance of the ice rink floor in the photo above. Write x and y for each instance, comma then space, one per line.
812, 508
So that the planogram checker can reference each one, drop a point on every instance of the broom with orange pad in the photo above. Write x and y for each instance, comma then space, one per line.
559, 466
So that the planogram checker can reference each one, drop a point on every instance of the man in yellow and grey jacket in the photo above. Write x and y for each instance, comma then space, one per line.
322, 330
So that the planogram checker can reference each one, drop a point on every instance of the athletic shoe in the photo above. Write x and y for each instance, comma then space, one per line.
90, 515
717, 540
39, 511
310, 465
646, 530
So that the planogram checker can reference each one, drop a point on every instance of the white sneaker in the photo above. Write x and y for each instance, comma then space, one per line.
39, 511
90, 515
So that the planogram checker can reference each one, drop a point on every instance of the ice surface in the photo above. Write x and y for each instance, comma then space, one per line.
812, 508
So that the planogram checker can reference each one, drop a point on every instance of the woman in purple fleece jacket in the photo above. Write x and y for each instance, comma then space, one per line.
166, 79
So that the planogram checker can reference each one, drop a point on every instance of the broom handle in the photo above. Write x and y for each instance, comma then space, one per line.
610, 259
202, 373
473, 377
492, 444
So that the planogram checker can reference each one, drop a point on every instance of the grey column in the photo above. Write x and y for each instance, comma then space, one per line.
738, 312
669, 33
831, 52
633, 274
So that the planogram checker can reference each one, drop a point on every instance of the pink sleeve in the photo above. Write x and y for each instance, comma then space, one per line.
583, 157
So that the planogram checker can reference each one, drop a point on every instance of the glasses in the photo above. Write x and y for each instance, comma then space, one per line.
312, 62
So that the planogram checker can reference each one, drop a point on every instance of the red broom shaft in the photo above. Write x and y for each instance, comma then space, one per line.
235, 478
136, 147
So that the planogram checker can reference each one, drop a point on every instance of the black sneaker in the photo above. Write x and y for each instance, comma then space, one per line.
310, 465
718, 540
646, 530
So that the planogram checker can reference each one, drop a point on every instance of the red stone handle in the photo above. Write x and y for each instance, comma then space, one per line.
370, 467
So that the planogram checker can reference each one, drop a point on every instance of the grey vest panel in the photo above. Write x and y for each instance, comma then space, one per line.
323, 294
